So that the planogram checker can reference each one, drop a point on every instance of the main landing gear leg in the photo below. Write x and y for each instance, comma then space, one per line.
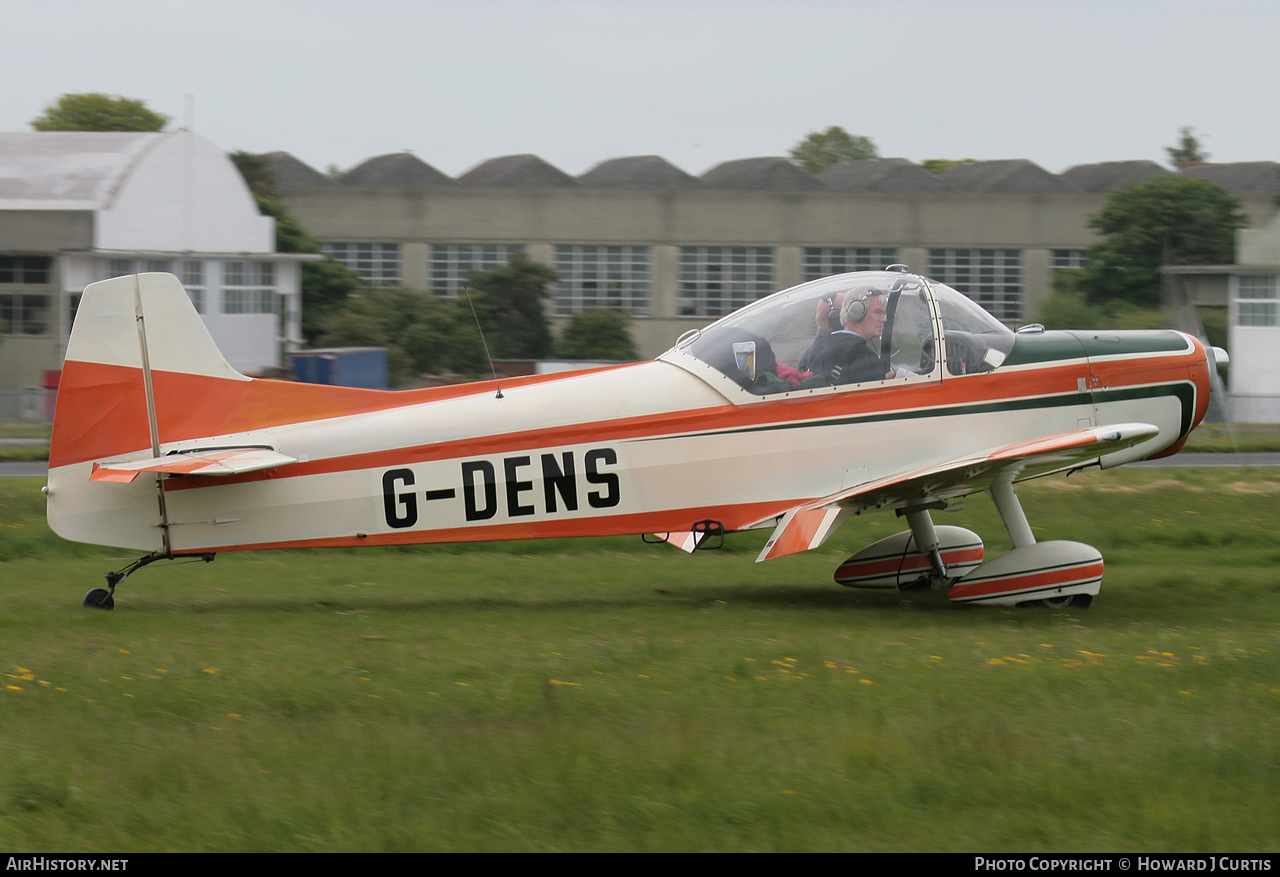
927, 542
1010, 509
105, 598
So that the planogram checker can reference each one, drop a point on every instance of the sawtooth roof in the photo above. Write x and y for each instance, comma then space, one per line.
291, 173
1107, 175
881, 175
84, 164
1007, 175
760, 173
638, 172
521, 171
1240, 178
397, 169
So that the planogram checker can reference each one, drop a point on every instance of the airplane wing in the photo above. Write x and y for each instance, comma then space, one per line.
210, 461
808, 525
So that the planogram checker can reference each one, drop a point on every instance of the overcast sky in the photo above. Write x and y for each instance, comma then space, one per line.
696, 81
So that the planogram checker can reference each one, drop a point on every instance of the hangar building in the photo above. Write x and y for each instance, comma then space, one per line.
77, 207
678, 250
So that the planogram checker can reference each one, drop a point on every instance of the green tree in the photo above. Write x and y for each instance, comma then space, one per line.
98, 112
938, 165
598, 334
822, 149
1188, 150
418, 329
257, 173
325, 284
509, 303
1169, 220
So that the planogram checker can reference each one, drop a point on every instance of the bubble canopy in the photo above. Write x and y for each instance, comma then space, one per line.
768, 346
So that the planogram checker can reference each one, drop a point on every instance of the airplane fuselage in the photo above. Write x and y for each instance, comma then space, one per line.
649, 447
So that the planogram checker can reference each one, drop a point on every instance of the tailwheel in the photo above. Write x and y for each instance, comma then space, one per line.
100, 598
104, 598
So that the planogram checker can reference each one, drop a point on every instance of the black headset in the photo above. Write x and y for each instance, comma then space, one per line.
858, 307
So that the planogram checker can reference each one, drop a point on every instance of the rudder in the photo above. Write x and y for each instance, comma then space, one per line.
127, 331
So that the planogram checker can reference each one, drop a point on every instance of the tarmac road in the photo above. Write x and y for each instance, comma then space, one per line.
37, 468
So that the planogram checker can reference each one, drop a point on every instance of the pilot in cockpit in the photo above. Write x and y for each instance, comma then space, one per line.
850, 354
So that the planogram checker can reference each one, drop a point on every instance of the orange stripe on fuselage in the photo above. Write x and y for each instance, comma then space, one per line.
102, 409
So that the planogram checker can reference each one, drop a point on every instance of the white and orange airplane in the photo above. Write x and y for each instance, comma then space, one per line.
160, 446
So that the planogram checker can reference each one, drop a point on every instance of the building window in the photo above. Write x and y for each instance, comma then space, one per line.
1067, 259
601, 277
25, 314
248, 288
452, 264
193, 281
25, 269
118, 268
718, 280
825, 261
992, 278
378, 264
1256, 300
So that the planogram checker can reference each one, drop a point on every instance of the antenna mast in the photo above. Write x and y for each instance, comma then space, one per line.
480, 329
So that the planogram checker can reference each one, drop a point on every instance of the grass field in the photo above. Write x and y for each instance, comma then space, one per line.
609, 695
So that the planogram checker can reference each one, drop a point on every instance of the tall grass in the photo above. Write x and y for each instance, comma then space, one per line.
607, 695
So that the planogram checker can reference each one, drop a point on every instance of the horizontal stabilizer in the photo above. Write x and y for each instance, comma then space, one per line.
807, 525
211, 461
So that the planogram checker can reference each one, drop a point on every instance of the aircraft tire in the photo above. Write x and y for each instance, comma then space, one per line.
100, 598
1058, 602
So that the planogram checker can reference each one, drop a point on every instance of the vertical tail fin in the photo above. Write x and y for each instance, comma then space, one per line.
142, 375
126, 330
130, 333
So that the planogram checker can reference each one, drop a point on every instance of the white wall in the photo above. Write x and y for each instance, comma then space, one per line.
184, 194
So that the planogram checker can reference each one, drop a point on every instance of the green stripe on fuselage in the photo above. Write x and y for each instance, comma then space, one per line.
1184, 392
1050, 346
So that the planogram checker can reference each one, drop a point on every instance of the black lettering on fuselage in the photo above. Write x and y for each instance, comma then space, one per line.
612, 494
401, 509
559, 478
475, 511
519, 497
515, 487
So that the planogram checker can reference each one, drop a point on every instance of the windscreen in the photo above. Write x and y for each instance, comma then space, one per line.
805, 337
